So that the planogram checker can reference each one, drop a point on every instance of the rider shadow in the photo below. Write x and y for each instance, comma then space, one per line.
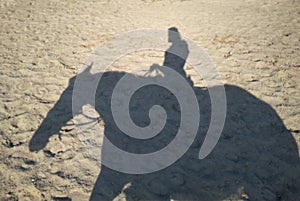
256, 157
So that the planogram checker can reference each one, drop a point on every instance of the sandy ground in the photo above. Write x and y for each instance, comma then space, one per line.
255, 46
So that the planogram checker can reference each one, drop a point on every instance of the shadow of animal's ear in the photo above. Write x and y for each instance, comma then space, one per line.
88, 68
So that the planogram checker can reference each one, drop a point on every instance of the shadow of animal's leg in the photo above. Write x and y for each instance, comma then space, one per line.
109, 184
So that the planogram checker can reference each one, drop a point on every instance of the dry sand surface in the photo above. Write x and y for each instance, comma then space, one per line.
255, 46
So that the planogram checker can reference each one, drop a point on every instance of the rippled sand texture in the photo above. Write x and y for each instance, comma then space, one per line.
255, 46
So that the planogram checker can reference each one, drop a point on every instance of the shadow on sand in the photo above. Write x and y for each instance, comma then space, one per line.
256, 157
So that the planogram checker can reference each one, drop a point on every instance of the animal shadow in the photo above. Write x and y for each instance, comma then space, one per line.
256, 157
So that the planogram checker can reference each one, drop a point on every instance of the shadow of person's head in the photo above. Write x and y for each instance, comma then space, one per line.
173, 35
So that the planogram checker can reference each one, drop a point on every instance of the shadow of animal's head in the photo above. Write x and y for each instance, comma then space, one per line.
57, 117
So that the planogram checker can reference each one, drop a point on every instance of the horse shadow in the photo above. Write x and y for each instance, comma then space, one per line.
256, 157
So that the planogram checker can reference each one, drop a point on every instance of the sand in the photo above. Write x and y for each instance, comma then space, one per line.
255, 47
